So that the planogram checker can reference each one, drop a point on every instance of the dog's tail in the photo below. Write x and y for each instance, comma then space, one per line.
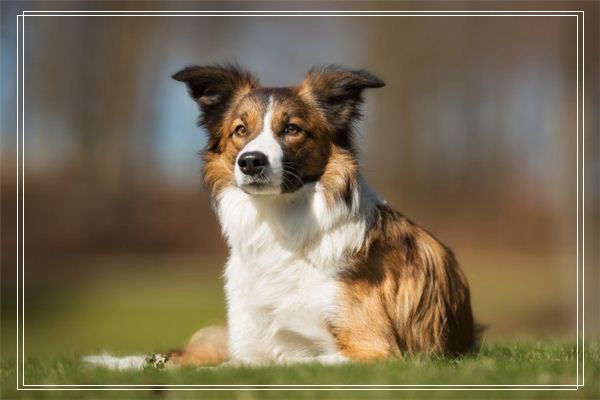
207, 347
118, 363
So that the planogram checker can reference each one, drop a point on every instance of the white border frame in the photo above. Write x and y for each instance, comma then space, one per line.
21, 385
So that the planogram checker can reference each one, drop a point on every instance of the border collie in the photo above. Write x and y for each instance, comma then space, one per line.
321, 269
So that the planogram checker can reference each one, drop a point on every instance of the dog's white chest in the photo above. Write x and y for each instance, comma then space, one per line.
278, 308
281, 276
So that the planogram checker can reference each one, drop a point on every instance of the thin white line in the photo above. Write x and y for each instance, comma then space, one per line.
23, 200
583, 191
391, 386
577, 187
302, 15
294, 387
286, 389
18, 186
282, 389
304, 11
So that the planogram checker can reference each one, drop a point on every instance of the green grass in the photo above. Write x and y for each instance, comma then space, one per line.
525, 363
142, 305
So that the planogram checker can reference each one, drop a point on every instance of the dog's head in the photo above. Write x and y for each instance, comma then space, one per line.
268, 140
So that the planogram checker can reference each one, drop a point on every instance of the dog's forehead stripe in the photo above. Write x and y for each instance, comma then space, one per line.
266, 142
268, 119
266, 133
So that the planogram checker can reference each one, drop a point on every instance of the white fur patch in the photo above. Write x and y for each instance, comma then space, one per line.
281, 277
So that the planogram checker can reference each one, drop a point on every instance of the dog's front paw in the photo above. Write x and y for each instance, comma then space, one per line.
157, 361
279, 354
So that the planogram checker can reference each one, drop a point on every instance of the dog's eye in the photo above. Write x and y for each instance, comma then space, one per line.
292, 129
240, 130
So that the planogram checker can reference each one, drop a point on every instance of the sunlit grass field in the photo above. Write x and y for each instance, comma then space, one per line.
525, 363
137, 306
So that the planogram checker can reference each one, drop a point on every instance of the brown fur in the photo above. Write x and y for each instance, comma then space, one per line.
340, 177
405, 294
208, 346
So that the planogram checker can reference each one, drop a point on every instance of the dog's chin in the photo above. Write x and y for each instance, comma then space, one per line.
260, 188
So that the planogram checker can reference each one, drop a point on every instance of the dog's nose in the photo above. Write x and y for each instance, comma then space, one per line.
253, 162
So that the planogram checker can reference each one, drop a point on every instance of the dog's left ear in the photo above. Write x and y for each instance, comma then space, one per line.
338, 92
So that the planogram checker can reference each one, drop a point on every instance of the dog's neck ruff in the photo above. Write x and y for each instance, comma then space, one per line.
303, 224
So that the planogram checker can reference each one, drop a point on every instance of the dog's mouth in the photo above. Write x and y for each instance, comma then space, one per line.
260, 185
260, 188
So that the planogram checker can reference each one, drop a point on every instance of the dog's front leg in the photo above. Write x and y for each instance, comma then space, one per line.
247, 338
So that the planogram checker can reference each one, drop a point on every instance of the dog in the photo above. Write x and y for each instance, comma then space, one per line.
321, 268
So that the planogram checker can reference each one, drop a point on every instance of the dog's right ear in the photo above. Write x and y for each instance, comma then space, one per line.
214, 87
339, 93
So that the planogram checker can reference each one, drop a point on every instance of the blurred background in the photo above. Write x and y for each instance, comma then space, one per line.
474, 137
